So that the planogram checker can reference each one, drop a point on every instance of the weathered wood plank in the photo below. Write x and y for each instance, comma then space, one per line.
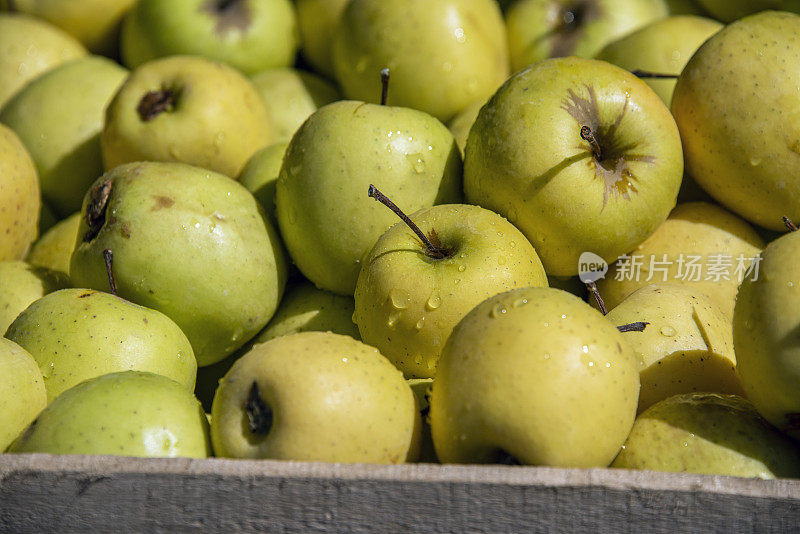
79, 494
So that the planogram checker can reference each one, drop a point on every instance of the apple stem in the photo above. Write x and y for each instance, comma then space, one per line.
384, 86
645, 74
153, 103
633, 327
108, 256
433, 250
588, 135
259, 414
789, 224
596, 294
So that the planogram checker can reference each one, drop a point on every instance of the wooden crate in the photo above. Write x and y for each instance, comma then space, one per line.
43, 493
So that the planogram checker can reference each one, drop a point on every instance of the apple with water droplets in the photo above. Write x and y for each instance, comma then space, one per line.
578, 154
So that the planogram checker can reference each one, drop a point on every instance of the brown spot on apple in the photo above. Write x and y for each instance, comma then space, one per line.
610, 155
231, 15
162, 202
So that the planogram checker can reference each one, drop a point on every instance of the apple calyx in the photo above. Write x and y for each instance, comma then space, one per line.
633, 327
154, 103
384, 86
96, 209
259, 415
108, 257
789, 224
433, 246
231, 15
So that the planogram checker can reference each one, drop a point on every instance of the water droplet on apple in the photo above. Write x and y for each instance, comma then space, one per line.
512, 244
472, 85
22, 68
447, 66
790, 284
393, 318
546, 356
431, 364
420, 323
667, 331
418, 359
461, 37
48, 370
520, 302
585, 349
399, 298
361, 65
434, 301
755, 161
501, 260
462, 268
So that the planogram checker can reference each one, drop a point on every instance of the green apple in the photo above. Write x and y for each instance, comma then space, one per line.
260, 175
661, 47
20, 199
461, 124
541, 29
739, 137
443, 55
250, 35
59, 116
578, 154
53, 250
125, 414
188, 242
536, 375
186, 109
708, 433
305, 308
326, 218
291, 96
700, 245
21, 284
409, 296
730, 10
317, 21
95, 23
687, 346
47, 219
315, 396
22, 393
765, 324
77, 334
29, 47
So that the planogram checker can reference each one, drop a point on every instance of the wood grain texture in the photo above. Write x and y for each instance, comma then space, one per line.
42, 493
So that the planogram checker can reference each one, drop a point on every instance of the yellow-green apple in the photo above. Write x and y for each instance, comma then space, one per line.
765, 324
53, 249
317, 21
461, 124
127, 413
59, 116
411, 293
315, 396
662, 47
538, 376
188, 242
730, 10
541, 29
28, 47
21, 284
95, 23
250, 35
77, 334
734, 104
260, 175
20, 198
22, 393
291, 96
326, 218
708, 433
443, 55
580, 155
186, 109
687, 346
700, 245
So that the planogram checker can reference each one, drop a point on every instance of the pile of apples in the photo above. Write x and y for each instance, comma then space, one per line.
467, 231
